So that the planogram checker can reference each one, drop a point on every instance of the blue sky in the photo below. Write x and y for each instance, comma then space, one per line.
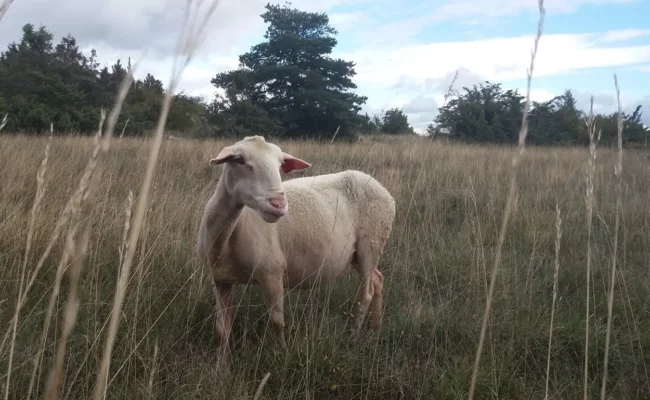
406, 52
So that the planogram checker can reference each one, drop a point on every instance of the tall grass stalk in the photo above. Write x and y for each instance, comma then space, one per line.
612, 280
4, 7
79, 251
75, 210
40, 192
516, 159
153, 371
558, 239
589, 200
68, 209
187, 45
258, 393
87, 185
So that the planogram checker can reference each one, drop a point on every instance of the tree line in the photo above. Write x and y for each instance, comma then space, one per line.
486, 113
289, 85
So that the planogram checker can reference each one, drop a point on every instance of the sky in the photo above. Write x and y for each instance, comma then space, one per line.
406, 53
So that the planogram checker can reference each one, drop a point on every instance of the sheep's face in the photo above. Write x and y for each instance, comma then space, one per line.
252, 169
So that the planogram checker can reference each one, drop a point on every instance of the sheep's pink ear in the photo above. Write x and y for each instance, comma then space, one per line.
292, 163
224, 155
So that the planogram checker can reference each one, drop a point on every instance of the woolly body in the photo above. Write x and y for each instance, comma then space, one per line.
249, 236
318, 237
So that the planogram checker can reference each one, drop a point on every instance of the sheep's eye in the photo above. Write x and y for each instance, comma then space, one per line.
239, 160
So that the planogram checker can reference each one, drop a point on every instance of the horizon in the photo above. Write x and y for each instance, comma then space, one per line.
405, 57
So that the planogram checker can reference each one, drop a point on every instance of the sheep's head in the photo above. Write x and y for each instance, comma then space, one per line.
252, 170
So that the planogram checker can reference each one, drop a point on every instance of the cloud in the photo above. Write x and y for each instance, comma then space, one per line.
624, 34
393, 68
496, 59
603, 101
421, 111
500, 8
420, 104
130, 26
344, 21
539, 95
134, 25
465, 78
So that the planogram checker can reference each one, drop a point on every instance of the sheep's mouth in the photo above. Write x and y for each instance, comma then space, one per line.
275, 212
272, 215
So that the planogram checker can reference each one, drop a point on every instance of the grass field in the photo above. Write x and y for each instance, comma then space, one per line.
450, 202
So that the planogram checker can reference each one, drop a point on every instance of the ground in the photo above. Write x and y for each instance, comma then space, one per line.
450, 201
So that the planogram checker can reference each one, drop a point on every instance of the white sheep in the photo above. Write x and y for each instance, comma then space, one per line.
249, 236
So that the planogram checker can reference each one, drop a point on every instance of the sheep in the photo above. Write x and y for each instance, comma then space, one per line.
247, 234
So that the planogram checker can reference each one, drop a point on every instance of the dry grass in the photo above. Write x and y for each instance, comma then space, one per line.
450, 207
158, 340
512, 187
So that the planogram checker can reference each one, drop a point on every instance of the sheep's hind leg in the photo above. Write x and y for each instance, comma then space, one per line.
366, 266
376, 303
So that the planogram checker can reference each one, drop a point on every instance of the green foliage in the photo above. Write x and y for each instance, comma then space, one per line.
633, 130
289, 85
392, 122
42, 84
557, 121
487, 113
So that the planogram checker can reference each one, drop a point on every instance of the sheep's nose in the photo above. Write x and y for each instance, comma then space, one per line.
278, 200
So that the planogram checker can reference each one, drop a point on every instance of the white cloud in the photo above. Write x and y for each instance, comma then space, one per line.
135, 25
344, 21
392, 71
499, 59
500, 8
539, 95
604, 102
624, 34
421, 111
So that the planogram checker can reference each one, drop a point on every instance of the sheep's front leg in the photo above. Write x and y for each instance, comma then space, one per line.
274, 293
223, 293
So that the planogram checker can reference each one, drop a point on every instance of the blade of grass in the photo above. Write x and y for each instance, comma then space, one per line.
516, 158
558, 238
612, 280
40, 192
187, 44
589, 200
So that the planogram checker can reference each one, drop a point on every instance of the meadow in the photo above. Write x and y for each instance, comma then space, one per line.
450, 203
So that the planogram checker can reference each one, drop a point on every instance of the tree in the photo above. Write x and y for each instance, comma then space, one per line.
152, 84
484, 113
633, 129
557, 121
392, 121
289, 83
41, 83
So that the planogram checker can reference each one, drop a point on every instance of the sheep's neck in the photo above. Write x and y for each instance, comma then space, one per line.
223, 218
